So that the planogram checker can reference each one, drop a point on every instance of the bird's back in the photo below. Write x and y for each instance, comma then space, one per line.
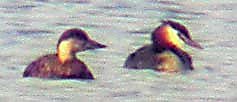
141, 58
49, 66
147, 58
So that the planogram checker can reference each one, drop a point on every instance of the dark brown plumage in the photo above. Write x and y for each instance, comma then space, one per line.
49, 66
165, 53
64, 64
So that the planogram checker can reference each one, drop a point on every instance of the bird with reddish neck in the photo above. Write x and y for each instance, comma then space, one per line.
166, 53
64, 64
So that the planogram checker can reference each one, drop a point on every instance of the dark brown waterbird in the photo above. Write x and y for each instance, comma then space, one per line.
166, 53
64, 64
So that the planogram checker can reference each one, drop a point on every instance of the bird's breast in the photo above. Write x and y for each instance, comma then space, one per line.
168, 62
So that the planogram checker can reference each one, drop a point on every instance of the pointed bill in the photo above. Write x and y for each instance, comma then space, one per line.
190, 42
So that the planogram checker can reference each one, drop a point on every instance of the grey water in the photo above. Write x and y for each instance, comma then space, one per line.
31, 28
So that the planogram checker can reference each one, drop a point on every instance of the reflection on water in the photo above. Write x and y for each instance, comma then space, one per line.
30, 29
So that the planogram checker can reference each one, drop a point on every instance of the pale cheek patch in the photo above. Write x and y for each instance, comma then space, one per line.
66, 46
173, 38
65, 49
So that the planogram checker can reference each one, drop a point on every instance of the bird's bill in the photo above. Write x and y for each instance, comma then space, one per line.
193, 43
94, 45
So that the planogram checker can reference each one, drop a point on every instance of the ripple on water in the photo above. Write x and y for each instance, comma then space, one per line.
33, 32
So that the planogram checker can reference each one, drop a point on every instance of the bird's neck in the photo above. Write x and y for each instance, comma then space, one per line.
65, 56
184, 57
65, 52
